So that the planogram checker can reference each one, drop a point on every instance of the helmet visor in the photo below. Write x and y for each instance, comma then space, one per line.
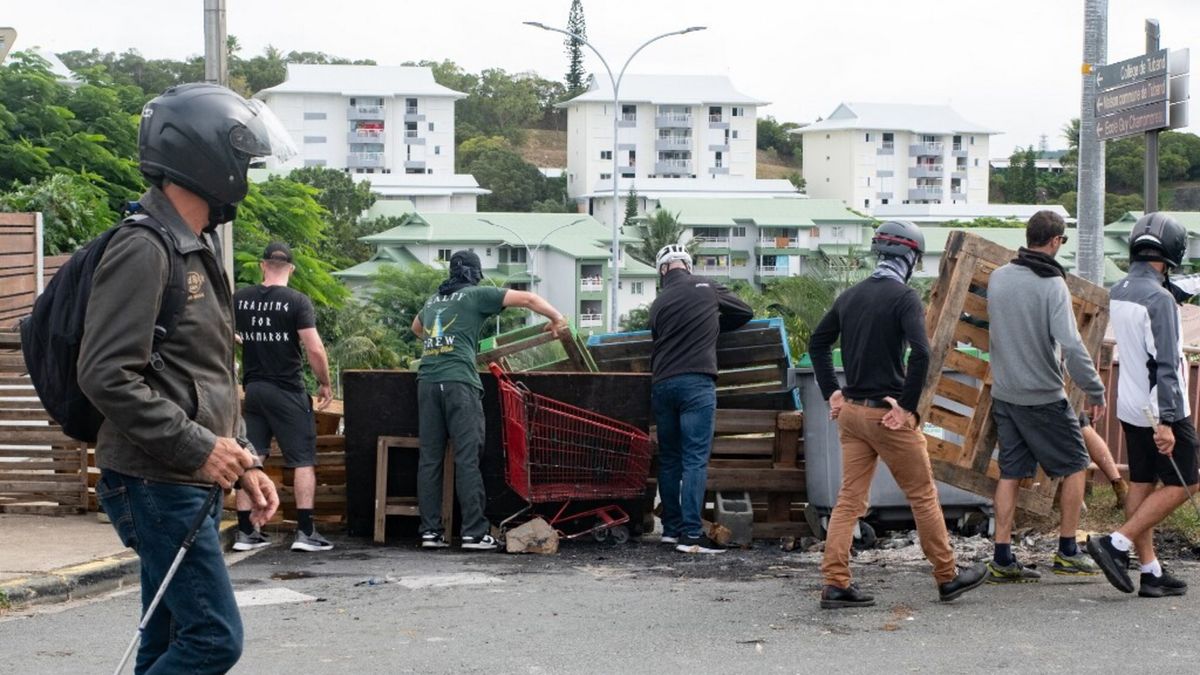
264, 135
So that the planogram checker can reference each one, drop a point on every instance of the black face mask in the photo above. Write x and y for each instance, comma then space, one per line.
218, 214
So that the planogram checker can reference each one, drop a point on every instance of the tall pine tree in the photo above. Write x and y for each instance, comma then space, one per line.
576, 25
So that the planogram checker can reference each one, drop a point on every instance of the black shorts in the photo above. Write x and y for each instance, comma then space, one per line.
1148, 465
286, 415
1046, 434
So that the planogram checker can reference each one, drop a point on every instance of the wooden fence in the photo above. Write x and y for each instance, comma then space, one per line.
20, 265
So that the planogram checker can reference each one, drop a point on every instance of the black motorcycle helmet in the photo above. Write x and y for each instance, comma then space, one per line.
1157, 236
897, 238
202, 137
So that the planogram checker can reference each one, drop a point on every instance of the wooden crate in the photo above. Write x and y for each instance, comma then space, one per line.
532, 349
957, 315
41, 469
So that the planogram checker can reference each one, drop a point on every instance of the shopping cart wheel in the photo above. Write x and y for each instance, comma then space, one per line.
620, 534
600, 534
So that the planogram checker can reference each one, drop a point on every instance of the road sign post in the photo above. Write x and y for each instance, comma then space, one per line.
1150, 177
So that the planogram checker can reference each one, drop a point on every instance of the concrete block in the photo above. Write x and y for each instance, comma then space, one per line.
734, 512
536, 536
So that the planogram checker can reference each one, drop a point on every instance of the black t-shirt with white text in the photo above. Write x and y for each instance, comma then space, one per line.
269, 319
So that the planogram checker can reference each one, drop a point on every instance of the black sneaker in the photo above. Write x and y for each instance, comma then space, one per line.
1161, 587
1111, 561
701, 544
433, 540
969, 578
833, 597
484, 543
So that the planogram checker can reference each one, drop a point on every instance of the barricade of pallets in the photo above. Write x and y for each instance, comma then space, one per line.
957, 316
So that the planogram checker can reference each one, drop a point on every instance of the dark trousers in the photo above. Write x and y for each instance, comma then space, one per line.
685, 408
454, 410
196, 628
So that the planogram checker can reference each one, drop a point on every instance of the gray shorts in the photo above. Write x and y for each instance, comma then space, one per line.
1045, 434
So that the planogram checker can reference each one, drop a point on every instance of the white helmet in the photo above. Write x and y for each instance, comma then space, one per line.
672, 253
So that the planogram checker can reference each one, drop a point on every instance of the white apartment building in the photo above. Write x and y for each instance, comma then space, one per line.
392, 125
693, 133
872, 154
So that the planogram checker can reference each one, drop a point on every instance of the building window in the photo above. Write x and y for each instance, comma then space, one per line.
826, 136
868, 137
431, 126
629, 113
437, 149
410, 106
972, 140
606, 176
314, 162
735, 133
866, 203
314, 139
637, 287
428, 171
883, 201
976, 161
868, 181
443, 255
513, 255
489, 252
737, 111
837, 231
314, 115
888, 137
738, 232
410, 129
606, 154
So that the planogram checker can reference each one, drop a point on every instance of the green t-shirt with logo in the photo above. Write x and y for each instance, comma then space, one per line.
452, 324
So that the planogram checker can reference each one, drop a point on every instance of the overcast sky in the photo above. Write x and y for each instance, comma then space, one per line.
1012, 65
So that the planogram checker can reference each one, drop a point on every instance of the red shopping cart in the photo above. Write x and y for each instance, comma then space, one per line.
557, 452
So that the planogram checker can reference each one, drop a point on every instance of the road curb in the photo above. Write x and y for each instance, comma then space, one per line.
82, 580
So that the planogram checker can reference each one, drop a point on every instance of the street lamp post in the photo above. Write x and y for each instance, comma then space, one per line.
615, 282
531, 253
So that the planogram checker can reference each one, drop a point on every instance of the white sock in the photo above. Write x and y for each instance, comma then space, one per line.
1121, 542
1152, 568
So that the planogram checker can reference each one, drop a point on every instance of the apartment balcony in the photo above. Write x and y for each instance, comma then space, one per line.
414, 164
411, 138
365, 160
365, 112
627, 120
959, 172
780, 243
366, 136
883, 195
927, 171
411, 115
773, 271
673, 144
711, 243
926, 149
627, 169
718, 147
958, 195
673, 167
712, 270
719, 170
673, 121
886, 148
591, 320
625, 147
924, 193
958, 150
591, 285
717, 122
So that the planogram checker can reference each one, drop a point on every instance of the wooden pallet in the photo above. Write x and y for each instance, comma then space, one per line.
532, 349
957, 315
42, 470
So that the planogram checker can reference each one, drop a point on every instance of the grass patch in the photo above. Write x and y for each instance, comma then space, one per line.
5, 603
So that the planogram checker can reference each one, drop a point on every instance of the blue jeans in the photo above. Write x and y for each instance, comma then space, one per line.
196, 628
685, 407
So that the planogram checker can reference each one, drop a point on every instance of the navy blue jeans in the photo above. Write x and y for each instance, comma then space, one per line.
196, 628
685, 407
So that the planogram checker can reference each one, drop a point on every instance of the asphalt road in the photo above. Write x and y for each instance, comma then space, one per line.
636, 609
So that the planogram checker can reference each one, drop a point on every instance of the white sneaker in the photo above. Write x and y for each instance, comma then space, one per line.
250, 542
433, 540
484, 543
668, 539
311, 542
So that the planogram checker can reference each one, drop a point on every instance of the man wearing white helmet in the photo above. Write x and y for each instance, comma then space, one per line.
685, 320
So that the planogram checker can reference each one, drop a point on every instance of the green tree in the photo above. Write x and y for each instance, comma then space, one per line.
73, 210
515, 183
660, 229
772, 135
638, 318
398, 294
1116, 205
345, 201
631, 207
575, 70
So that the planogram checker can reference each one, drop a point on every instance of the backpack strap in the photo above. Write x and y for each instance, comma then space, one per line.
174, 295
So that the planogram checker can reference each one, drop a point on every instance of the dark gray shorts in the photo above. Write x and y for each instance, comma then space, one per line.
286, 415
1045, 434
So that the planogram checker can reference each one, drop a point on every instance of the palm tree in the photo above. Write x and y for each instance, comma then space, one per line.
659, 230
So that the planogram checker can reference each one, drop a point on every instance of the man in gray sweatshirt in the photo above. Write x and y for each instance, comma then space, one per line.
1032, 332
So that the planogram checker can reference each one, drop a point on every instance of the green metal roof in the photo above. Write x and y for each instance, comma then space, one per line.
719, 212
391, 208
1189, 219
588, 239
384, 255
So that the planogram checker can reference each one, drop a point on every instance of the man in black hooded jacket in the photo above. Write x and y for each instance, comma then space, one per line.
449, 393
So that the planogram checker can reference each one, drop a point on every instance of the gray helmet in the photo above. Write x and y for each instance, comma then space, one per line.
898, 237
1157, 236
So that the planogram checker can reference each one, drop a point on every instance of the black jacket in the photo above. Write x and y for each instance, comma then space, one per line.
685, 319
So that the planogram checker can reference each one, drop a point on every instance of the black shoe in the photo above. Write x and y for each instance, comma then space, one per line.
833, 597
1161, 587
701, 544
968, 578
1111, 561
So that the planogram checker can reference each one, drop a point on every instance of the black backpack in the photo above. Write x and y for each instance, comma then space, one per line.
52, 334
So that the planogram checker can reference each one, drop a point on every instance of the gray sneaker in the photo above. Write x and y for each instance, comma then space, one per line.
250, 542
311, 542
1012, 573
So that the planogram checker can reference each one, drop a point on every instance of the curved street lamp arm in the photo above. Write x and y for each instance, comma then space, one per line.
647, 43
582, 41
560, 227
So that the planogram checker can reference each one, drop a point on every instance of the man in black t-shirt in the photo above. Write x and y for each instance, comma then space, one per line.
274, 323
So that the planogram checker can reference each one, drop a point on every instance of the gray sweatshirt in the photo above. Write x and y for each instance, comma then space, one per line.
1032, 332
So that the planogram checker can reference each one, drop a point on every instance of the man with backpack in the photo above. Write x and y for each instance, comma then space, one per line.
168, 394
275, 324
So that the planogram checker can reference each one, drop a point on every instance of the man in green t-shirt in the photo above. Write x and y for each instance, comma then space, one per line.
450, 395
